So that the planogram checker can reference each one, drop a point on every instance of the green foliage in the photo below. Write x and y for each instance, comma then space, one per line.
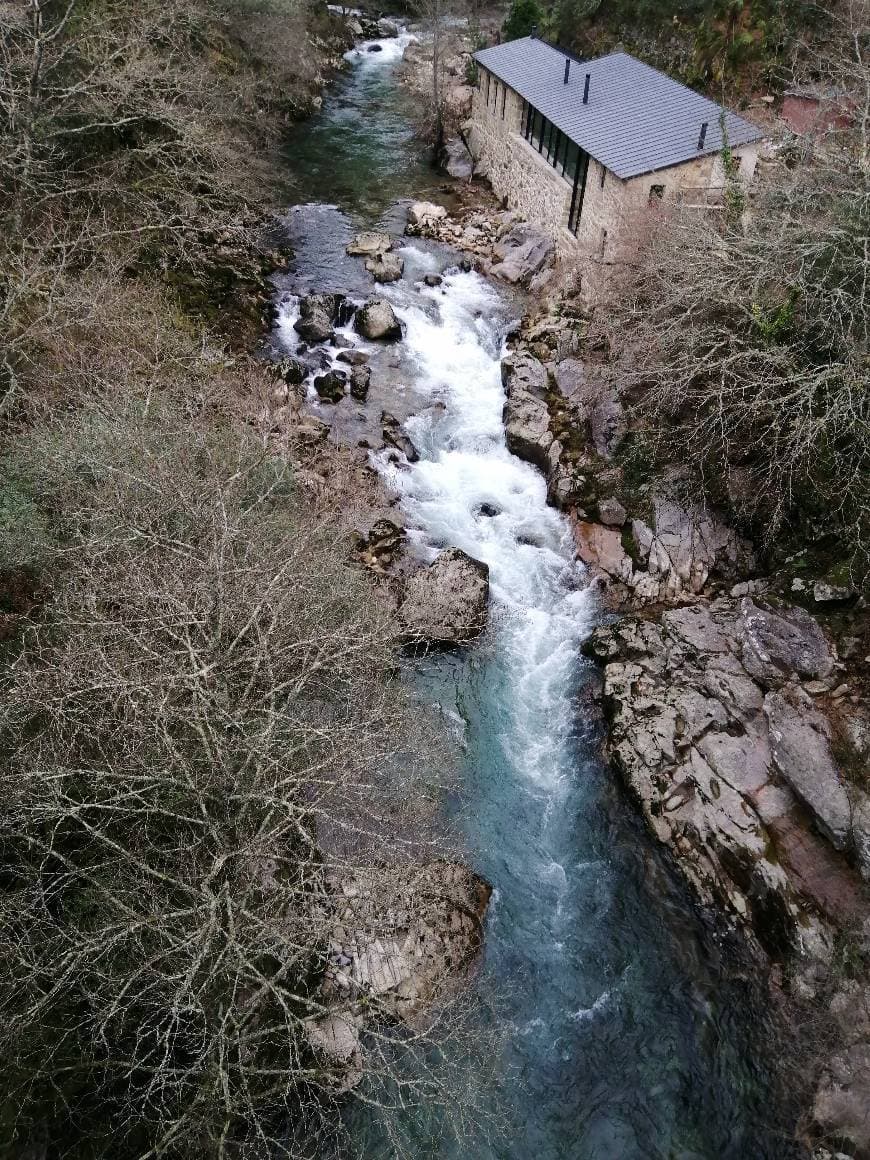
524, 15
774, 324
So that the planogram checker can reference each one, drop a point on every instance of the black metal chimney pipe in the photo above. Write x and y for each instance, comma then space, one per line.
567, 68
703, 136
534, 31
586, 89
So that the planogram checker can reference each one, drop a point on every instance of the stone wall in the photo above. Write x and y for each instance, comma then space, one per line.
517, 173
615, 212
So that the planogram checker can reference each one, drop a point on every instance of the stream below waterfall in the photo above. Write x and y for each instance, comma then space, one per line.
630, 1032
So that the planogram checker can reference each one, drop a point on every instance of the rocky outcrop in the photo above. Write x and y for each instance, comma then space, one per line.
318, 314
522, 253
729, 763
667, 560
525, 415
377, 321
400, 940
841, 1108
592, 393
446, 603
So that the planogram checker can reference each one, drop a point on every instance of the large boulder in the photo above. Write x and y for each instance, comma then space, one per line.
317, 316
520, 370
446, 603
331, 386
387, 28
368, 244
385, 267
360, 378
777, 644
290, 370
377, 321
457, 160
527, 427
522, 253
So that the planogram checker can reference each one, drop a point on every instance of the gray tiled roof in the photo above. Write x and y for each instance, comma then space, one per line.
637, 119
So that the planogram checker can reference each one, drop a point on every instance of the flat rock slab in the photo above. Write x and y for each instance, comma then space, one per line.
369, 244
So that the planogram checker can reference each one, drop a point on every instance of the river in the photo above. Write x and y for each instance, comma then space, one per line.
630, 1032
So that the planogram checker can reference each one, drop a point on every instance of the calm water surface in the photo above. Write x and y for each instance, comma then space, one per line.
630, 1035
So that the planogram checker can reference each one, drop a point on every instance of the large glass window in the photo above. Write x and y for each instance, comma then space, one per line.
564, 155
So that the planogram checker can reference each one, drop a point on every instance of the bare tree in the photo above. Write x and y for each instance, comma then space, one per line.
214, 784
747, 339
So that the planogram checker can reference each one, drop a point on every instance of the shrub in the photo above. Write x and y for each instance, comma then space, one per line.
203, 733
524, 15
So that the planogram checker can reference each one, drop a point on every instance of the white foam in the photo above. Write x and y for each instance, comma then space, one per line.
452, 336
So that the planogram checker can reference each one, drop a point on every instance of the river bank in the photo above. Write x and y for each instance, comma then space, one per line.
734, 680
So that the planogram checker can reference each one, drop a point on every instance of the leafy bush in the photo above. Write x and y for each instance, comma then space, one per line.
524, 15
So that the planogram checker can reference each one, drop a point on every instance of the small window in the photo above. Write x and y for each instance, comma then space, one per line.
503, 100
656, 193
603, 245
603, 176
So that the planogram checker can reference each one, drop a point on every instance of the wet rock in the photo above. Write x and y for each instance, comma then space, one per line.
432, 279
377, 321
386, 267
360, 378
369, 244
489, 510
331, 386
446, 603
317, 316
292, 371
393, 434
387, 28
375, 48
354, 358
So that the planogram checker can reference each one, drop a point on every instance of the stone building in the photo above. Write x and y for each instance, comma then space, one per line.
585, 148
